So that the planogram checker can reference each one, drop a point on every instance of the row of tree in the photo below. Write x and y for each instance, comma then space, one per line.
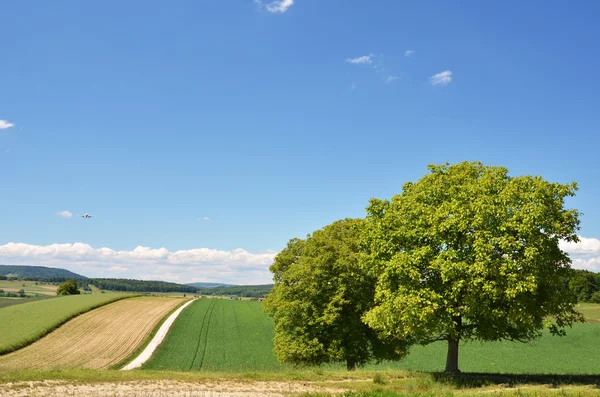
465, 253
585, 285
118, 284
245, 291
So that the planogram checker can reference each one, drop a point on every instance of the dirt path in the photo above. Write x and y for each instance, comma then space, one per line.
160, 388
158, 338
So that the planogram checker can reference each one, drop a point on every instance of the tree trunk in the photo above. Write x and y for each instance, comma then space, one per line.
452, 357
350, 364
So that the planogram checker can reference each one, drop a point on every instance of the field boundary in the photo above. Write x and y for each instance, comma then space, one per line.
157, 339
35, 338
147, 340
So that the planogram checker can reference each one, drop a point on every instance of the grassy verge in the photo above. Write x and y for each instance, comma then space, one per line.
148, 339
348, 384
22, 325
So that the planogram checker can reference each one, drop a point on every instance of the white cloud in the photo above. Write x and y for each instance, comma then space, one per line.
200, 264
409, 53
362, 59
585, 254
442, 78
279, 6
391, 78
66, 214
204, 218
5, 124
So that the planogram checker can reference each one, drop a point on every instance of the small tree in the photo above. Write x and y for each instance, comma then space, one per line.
68, 287
319, 297
595, 297
468, 252
21, 293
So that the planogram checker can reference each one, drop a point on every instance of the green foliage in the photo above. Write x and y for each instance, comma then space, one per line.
584, 284
595, 298
321, 293
68, 287
123, 285
218, 335
37, 273
23, 324
246, 291
468, 252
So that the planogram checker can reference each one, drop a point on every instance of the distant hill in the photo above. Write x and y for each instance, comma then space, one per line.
247, 291
38, 272
121, 284
209, 285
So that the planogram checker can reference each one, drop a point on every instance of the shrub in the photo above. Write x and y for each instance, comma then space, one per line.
69, 287
595, 297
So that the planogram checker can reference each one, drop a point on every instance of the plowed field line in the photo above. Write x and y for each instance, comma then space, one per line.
97, 339
208, 312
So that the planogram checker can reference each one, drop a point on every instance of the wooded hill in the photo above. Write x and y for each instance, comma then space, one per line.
38, 273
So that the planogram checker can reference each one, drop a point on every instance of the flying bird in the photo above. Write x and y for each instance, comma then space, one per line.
86, 216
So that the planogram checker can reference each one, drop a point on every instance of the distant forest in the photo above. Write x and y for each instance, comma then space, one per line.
246, 291
38, 273
118, 284
586, 286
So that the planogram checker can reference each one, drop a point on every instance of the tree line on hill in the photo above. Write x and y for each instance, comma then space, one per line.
129, 285
467, 252
585, 285
241, 291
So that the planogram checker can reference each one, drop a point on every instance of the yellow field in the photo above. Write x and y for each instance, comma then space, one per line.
97, 339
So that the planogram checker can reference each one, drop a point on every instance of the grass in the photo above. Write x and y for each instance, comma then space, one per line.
30, 287
97, 339
5, 302
23, 324
222, 335
356, 384
218, 335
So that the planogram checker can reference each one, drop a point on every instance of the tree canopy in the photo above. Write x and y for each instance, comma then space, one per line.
468, 252
320, 294
68, 287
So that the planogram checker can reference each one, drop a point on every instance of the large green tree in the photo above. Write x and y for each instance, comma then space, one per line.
320, 294
469, 252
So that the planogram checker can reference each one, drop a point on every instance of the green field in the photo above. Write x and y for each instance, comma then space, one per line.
31, 288
23, 324
218, 335
223, 335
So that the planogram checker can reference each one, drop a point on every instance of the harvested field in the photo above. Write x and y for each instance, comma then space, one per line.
21, 325
98, 339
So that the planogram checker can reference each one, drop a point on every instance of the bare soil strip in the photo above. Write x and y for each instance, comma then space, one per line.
97, 339
160, 388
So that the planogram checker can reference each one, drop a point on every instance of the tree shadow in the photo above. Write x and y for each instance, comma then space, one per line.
474, 379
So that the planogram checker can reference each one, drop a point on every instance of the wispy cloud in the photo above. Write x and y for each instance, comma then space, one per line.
237, 266
362, 59
409, 53
279, 6
391, 78
4, 124
442, 78
204, 218
66, 214
352, 86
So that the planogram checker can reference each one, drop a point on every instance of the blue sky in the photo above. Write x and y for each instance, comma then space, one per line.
273, 120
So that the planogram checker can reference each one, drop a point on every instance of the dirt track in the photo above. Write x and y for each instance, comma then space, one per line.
97, 339
162, 388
